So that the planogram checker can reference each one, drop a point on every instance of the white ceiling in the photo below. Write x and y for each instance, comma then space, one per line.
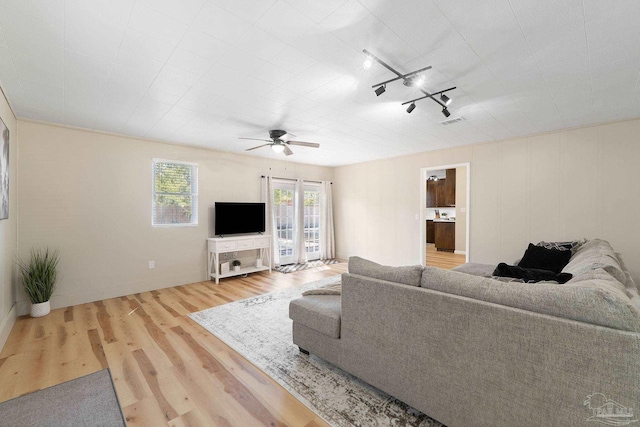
204, 73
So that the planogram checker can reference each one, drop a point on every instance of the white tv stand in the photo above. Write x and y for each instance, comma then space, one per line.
220, 245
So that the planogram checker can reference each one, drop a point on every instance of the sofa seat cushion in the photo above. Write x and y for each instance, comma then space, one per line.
591, 301
319, 312
407, 275
476, 269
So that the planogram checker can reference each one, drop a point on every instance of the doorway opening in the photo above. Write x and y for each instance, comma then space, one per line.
444, 215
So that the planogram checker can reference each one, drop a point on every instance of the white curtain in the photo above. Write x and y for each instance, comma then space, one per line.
300, 252
270, 220
327, 237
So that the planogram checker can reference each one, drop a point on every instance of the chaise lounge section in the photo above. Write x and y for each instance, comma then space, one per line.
473, 351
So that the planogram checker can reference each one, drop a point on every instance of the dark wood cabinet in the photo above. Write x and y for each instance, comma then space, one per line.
442, 193
431, 194
431, 231
445, 236
435, 193
450, 188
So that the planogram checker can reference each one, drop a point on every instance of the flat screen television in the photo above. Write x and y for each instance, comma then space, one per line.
238, 218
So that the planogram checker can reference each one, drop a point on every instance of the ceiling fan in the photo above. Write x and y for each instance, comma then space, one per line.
278, 144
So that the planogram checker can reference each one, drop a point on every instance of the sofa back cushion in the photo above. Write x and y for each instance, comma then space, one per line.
408, 275
590, 302
595, 254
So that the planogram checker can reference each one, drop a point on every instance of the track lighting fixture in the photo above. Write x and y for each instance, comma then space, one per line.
278, 148
414, 79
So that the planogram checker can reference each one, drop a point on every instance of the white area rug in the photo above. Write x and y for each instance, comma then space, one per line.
259, 328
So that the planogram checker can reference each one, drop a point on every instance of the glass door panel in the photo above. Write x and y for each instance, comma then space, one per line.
284, 215
312, 222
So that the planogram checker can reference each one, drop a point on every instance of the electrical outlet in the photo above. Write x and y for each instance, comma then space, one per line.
152, 264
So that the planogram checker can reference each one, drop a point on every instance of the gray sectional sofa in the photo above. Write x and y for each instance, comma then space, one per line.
469, 350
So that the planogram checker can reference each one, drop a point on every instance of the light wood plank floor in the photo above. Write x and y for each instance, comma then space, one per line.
446, 260
166, 368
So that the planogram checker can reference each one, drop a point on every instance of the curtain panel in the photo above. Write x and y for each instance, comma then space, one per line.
270, 219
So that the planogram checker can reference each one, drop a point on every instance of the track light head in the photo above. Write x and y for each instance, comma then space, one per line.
445, 99
278, 148
380, 90
419, 81
368, 62
411, 107
446, 112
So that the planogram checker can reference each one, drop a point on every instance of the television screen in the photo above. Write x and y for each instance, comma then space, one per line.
238, 218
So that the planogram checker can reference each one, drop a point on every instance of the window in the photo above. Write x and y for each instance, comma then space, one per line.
175, 193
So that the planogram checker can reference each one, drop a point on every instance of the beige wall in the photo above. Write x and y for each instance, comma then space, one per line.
556, 186
8, 230
89, 195
461, 209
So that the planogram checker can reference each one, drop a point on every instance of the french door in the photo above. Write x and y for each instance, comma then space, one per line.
298, 237
312, 221
284, 206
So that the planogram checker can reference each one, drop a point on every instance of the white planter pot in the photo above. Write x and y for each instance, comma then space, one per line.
258, 263
236, 268
40, 309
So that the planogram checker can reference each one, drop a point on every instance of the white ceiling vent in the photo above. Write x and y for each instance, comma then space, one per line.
453, 120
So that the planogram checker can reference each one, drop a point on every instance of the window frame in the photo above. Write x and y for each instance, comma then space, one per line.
193, 193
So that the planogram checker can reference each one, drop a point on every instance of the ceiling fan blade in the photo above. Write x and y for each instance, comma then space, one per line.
259, 146
256, 139
287, 135
304, 144
287, 151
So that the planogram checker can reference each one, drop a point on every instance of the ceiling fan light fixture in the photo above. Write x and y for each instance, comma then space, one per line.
411, 107
380, 90
446, 112
445, 99
278, 148
368, 62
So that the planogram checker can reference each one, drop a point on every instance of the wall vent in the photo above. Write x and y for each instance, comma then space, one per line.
453, 120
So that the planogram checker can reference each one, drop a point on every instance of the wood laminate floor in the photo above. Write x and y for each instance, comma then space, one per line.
446, 260
167, 369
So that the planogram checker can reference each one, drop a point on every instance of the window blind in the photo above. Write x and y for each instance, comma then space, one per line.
175, 193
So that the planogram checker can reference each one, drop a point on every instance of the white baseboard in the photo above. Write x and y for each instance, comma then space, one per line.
460, 252
7, 325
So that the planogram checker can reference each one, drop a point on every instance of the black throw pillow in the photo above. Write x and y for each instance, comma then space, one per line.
530, 275
544, 259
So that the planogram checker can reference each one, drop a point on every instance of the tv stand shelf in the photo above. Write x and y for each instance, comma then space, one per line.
221, 245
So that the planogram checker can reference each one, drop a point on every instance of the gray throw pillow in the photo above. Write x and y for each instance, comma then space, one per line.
407, 275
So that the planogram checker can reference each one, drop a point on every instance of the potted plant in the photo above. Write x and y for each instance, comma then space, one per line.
236, 264
39, 277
